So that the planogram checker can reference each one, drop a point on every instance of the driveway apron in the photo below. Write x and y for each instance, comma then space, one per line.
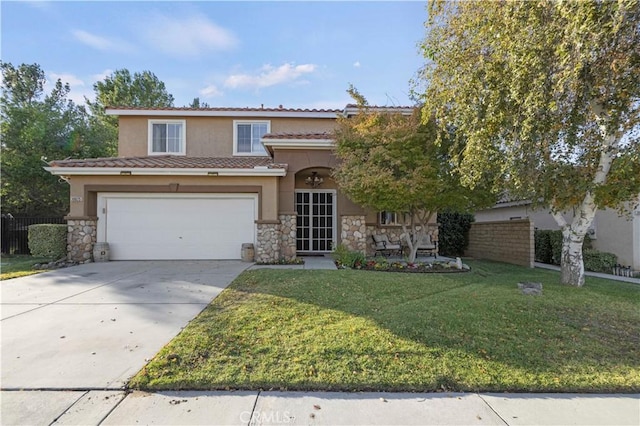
93, 326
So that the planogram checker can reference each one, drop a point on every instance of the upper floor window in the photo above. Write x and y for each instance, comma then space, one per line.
247, 135
167, 137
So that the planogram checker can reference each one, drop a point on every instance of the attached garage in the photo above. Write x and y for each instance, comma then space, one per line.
141, 226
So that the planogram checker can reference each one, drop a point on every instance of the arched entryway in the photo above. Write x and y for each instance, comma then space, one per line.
316, 209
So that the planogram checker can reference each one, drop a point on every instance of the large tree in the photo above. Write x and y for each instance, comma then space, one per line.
390, 161
37, 126
123, 89
546, 95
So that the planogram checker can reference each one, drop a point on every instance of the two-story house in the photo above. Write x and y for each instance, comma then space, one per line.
200, 183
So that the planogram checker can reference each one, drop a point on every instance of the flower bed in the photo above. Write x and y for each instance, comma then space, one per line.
384, 265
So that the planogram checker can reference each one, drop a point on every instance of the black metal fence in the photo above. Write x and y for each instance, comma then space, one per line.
15, 232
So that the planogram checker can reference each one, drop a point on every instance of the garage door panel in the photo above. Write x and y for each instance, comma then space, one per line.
178, 227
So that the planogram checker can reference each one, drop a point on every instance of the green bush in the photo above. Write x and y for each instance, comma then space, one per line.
347, 258
555, 239
48, 240
548, 246
453, 234
542, 240
598, 261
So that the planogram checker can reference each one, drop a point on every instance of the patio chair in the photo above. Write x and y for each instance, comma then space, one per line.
428, 246
385, 247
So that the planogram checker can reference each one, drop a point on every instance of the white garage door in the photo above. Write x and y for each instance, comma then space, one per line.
176, 226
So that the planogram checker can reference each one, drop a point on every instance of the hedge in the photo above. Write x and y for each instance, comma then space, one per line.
599, 261
453, 232
48, 240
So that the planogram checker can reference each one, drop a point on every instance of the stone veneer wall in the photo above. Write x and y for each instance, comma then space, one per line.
509, 241
354, 233
288, 229
268, 242
81, 237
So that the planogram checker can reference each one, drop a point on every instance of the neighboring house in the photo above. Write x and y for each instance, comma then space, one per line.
200, 183
610, 231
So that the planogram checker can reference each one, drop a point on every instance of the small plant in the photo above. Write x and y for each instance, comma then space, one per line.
346, 258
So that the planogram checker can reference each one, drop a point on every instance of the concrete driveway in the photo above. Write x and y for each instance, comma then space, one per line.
93, 326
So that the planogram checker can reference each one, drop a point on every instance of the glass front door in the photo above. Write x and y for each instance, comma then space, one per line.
316, 221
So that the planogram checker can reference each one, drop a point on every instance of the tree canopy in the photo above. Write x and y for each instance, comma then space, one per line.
37, 126
122, 89
545, 100
390, 161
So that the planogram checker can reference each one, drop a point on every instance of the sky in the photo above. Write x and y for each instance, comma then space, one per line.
229, 54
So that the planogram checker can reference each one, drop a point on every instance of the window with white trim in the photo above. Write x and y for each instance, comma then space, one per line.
167, 137
386, 218
247, 135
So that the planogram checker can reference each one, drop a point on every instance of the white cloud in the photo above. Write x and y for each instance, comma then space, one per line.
356, 64
270, 76
101, 76
67, 78
188, 36
211, 91
100, 43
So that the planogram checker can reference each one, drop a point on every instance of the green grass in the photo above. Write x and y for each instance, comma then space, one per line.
19, 265
359, 330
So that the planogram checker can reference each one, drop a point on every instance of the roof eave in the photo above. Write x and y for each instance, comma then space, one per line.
231, 113
165, 171
308, 144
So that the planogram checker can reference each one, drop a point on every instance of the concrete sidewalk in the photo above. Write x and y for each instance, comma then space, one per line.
316, 408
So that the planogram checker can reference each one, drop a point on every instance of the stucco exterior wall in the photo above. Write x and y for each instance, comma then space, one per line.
207, 136
83, 189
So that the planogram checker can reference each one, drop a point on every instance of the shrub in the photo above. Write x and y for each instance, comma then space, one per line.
542, 240
453, 234
598, 261
48, 240
555, 239
549, 246
348, 258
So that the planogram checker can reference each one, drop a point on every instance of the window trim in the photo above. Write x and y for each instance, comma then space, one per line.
396, 223
183, 141
235, 138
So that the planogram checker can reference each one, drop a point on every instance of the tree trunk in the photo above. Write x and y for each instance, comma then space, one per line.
571, 264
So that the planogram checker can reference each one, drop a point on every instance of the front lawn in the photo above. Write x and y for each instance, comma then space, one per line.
359, 330
19, 265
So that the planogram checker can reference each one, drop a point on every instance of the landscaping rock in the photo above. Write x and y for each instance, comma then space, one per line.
57, 264
530, 288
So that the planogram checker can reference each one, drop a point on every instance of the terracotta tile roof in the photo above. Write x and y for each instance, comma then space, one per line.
244, 109
323, 135
172, 161
382, 107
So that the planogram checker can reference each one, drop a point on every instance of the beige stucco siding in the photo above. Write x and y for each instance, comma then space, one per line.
84, 188
208, 136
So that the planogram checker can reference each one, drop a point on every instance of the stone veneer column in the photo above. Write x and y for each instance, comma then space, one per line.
288, 229
354, 233
81, 236
268, 242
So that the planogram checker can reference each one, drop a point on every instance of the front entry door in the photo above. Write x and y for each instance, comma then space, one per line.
316, 224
